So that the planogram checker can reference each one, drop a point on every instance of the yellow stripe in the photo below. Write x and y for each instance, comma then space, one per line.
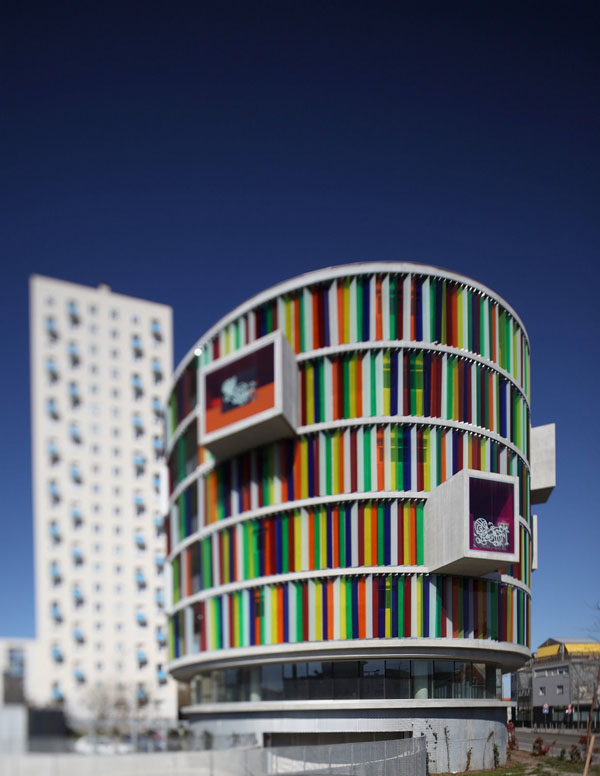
342, 605
427, 456
298, 541
318, 611
310, 388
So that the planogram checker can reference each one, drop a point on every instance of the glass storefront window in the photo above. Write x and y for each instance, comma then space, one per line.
478, 684
372, 679
421, 678
345, 680
320, 680
397, 678
271, 682
348, 680
443, 678
462, 680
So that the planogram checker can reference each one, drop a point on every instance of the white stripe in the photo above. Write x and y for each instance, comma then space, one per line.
291, 593
188, 627
432, 589
253, 481
406, 308
433, 465
308, 319
322, 465
385, 305
353, 311
413, 605
336, 608
304, 538
360, 463
333, 313
372, 305
347, 472
400, 382
216, 558
267, 614
445, 387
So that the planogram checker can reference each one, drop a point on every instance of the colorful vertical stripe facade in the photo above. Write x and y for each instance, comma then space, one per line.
416, 378
353, 607
385, 307
356, 459
418, 383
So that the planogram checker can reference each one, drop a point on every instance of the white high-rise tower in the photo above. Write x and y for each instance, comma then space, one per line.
100, 366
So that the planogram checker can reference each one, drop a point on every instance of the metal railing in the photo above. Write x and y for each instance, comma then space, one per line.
405, 757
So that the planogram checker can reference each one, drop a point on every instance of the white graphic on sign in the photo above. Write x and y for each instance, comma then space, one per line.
236, 394
489, 536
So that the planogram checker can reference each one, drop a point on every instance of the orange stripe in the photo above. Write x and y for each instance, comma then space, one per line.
373, 535
362, 633
330, 609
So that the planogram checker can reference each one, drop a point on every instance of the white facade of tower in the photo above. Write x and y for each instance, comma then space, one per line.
100, 367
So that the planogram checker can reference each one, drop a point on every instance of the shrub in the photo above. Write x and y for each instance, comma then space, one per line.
496, 756
574, 754
539, 749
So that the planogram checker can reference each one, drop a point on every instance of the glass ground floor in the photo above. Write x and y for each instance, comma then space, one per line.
348, 680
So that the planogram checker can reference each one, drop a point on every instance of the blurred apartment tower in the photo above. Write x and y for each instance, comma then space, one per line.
100, 366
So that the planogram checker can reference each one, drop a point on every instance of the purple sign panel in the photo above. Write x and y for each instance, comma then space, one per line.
491, 515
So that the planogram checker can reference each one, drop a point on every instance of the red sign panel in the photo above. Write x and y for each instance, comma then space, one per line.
240, 389
491, 515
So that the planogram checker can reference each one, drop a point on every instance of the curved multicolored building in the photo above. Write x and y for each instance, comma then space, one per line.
350, 533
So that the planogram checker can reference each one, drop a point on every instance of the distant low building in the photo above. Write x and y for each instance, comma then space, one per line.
557, 685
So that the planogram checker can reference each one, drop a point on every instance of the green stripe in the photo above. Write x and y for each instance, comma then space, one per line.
367, 457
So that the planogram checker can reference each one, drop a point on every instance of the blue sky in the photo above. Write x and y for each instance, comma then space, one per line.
196, 153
